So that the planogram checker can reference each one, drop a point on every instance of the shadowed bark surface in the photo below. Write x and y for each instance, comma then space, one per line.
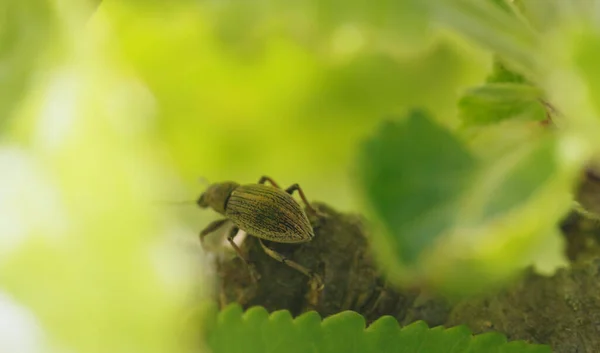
562, 310
338, 253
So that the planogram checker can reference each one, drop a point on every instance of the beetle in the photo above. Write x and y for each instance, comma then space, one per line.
265, 212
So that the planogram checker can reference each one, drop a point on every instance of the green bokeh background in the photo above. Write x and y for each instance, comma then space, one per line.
238, 98
111, 112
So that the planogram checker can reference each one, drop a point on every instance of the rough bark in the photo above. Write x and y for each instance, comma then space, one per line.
562, 311
339, 252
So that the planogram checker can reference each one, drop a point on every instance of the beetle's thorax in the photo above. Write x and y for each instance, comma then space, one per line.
217, 195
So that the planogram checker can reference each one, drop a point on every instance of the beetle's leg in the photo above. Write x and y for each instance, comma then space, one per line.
237, 249
213, 226
290, 191
264, 179
315, 278
255, 276
382, 293
296, 187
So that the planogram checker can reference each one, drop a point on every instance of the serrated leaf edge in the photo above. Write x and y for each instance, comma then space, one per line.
235, 309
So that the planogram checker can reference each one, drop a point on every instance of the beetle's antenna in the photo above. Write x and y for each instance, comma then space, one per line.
202, 180
186, 202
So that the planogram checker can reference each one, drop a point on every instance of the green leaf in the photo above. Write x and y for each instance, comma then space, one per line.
529, 167
255, 331
543, 15
398, 21
494, 28
501, 73
586, 56
495, 102
442, 216
412, 172
26, 28
502, 4
244, 27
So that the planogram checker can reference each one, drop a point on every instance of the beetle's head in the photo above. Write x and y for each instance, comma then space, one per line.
216, 196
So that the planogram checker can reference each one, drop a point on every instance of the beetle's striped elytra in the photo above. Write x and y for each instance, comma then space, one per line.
266, 212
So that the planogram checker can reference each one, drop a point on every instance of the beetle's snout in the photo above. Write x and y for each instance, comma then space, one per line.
202, 201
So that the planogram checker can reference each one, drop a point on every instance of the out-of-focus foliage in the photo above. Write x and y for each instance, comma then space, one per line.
24, 28
507, 217
104, 119
549, 44
495, 102
506, 95
233, 331
88, 260
415, 199
501, 73
499, 28
454, 218
283, 90
108, 118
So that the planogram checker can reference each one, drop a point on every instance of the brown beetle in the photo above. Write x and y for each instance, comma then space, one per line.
265, 212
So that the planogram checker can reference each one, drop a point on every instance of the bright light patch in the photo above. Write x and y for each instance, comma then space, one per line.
27, 202
572, 150
177, 260
134, 100
20, 331
347, 40
58, 110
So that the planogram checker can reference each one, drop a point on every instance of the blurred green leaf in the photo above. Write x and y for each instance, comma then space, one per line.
446, 217
586, 56
495, 102
508, 216
25, 29
529, 167
316, 24
376, 84
400, 22
501, 73
266, 102
493, 28
83, 174
503, 4
544, 15
234, 331
412, 172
